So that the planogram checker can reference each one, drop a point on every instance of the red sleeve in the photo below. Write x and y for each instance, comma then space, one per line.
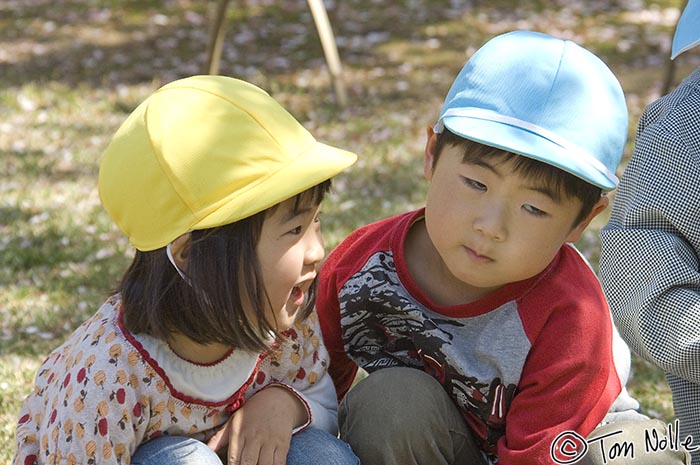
569, 380
345, 260
342, 369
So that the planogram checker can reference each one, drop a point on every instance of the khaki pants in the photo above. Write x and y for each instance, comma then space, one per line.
641, 442
402, 416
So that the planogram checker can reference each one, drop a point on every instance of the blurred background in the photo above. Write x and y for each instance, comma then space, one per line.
72, 70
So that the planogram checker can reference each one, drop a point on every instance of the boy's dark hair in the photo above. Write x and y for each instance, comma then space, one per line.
225, 300
559, 182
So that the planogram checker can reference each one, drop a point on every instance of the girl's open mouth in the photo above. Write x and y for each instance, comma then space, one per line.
297, 296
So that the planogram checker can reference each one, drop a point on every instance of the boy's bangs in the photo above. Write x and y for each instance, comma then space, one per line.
558, 183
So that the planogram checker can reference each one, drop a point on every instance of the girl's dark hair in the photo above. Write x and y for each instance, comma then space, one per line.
559, 182
225, 300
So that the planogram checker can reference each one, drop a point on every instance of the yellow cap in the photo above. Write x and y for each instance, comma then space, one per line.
206, 151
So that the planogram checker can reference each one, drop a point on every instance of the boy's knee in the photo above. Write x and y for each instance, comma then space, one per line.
395, 394
397, 414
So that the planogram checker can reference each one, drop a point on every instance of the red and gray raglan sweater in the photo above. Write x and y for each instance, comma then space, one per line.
524, 364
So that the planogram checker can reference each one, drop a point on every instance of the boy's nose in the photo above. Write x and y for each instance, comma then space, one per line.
491, 223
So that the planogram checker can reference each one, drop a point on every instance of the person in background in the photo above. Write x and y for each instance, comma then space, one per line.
210, 346
650, 256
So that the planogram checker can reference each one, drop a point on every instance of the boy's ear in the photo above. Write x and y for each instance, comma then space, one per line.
180, 248
575, 233
429, 161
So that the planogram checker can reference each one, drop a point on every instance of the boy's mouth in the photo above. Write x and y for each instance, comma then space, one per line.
477, 256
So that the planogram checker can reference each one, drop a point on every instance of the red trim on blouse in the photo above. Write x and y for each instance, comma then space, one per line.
234, 402
306, 405
200, 364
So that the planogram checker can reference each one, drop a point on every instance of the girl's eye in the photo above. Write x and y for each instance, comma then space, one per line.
534, 210
474, 184
296, 231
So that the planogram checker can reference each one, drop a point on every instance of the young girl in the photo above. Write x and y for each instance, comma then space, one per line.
209, 351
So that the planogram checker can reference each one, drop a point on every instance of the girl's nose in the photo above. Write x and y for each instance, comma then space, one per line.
314, 249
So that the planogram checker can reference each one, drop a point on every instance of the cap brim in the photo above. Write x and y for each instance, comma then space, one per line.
687, 33
526, 143
320, 163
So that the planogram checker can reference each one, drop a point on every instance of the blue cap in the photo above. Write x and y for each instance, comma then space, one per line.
687, 33
543, 98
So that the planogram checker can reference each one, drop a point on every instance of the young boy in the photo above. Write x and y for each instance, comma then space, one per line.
485, 335
650, 248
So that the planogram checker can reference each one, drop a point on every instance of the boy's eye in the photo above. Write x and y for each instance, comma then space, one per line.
296, 231
474, 184
534, 210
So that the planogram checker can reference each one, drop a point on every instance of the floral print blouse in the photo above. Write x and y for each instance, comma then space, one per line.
105, 391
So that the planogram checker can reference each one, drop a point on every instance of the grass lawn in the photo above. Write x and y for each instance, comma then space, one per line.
70, 72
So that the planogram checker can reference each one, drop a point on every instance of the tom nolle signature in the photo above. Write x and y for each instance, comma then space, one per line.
570, 447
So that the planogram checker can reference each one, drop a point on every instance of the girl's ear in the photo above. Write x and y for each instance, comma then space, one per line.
180, 249
601, 205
